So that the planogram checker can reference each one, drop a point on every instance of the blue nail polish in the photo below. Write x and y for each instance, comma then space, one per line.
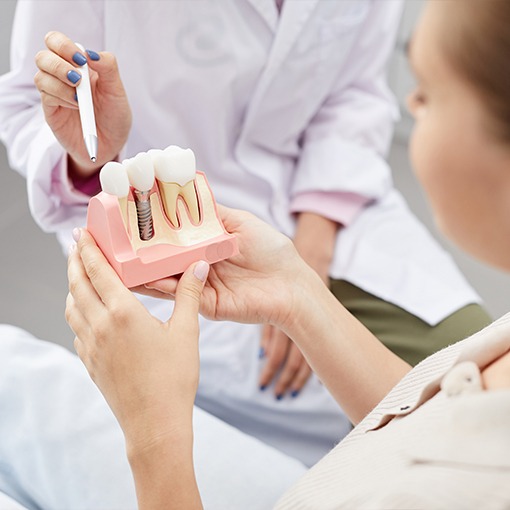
279, 396
73, 76
79, 59
263, 387
261, 353
294, 393
93, 55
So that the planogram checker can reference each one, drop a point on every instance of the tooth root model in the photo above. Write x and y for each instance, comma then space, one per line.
175, 170
114, 181
141, 176
156, 236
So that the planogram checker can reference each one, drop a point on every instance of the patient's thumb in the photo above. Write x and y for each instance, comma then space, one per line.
189, 291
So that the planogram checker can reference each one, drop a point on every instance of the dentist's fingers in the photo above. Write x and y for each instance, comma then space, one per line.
294, 374
267, 331
55, 66
300, 379
54, 92
102, 276
65, 48
275, 356
105, 65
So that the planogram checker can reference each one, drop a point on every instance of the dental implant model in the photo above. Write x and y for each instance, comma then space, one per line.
175, 170
141, 176
149, 231
115, 181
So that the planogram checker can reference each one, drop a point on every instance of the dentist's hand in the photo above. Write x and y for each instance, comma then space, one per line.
57, 79
147, 370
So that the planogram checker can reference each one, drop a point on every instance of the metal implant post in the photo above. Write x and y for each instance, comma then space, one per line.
144, 213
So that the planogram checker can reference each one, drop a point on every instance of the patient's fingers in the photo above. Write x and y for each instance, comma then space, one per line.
164, 288
75, 318
84, 295
102, 277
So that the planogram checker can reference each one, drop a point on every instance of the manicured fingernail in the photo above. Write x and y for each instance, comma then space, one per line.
294, 393
93, 55
279, 396
73, 76
263, 387
79, 59
201, 270
261, 353
76, 234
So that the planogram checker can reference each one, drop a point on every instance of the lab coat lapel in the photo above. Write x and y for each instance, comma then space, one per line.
294, 15
267, 10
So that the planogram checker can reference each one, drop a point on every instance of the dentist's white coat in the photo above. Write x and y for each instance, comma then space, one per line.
273, 107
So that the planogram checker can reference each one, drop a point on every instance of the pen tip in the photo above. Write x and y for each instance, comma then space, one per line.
93, 159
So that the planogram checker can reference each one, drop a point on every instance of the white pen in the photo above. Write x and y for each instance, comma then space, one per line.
86, 108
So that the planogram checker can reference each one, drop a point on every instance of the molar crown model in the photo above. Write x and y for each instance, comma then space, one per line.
156, 215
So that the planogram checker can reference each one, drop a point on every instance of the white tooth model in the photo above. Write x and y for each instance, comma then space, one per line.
115, 181
176, 170
165, 229
140, 171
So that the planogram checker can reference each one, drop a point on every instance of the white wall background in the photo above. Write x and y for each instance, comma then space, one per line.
32, 267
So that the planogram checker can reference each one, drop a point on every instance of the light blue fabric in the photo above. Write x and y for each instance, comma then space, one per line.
61, 447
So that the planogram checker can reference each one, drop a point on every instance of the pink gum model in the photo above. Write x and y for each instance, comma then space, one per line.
171, 250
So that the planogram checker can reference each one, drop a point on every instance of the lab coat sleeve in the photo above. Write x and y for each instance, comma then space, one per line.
32, 148
350, 134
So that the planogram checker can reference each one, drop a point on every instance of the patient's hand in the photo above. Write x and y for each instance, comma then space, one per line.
260, 285
146, 369
315, 242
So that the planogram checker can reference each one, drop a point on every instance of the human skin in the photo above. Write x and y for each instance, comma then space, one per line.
111, 107
152, 400
315, 235
462, 166
464, 171
115, 340
315, 242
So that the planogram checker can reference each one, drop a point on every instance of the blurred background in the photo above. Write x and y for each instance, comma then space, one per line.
33, 284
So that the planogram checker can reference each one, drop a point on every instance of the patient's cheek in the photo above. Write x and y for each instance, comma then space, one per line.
497, 375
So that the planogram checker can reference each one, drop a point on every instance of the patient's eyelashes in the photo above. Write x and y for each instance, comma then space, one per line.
417, 102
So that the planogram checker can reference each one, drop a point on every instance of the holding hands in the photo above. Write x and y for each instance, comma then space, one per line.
57, 79
260, 285
146, 368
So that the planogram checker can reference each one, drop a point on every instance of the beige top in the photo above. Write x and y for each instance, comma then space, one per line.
437, 440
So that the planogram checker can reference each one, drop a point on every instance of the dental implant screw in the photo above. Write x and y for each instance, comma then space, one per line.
144, 213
